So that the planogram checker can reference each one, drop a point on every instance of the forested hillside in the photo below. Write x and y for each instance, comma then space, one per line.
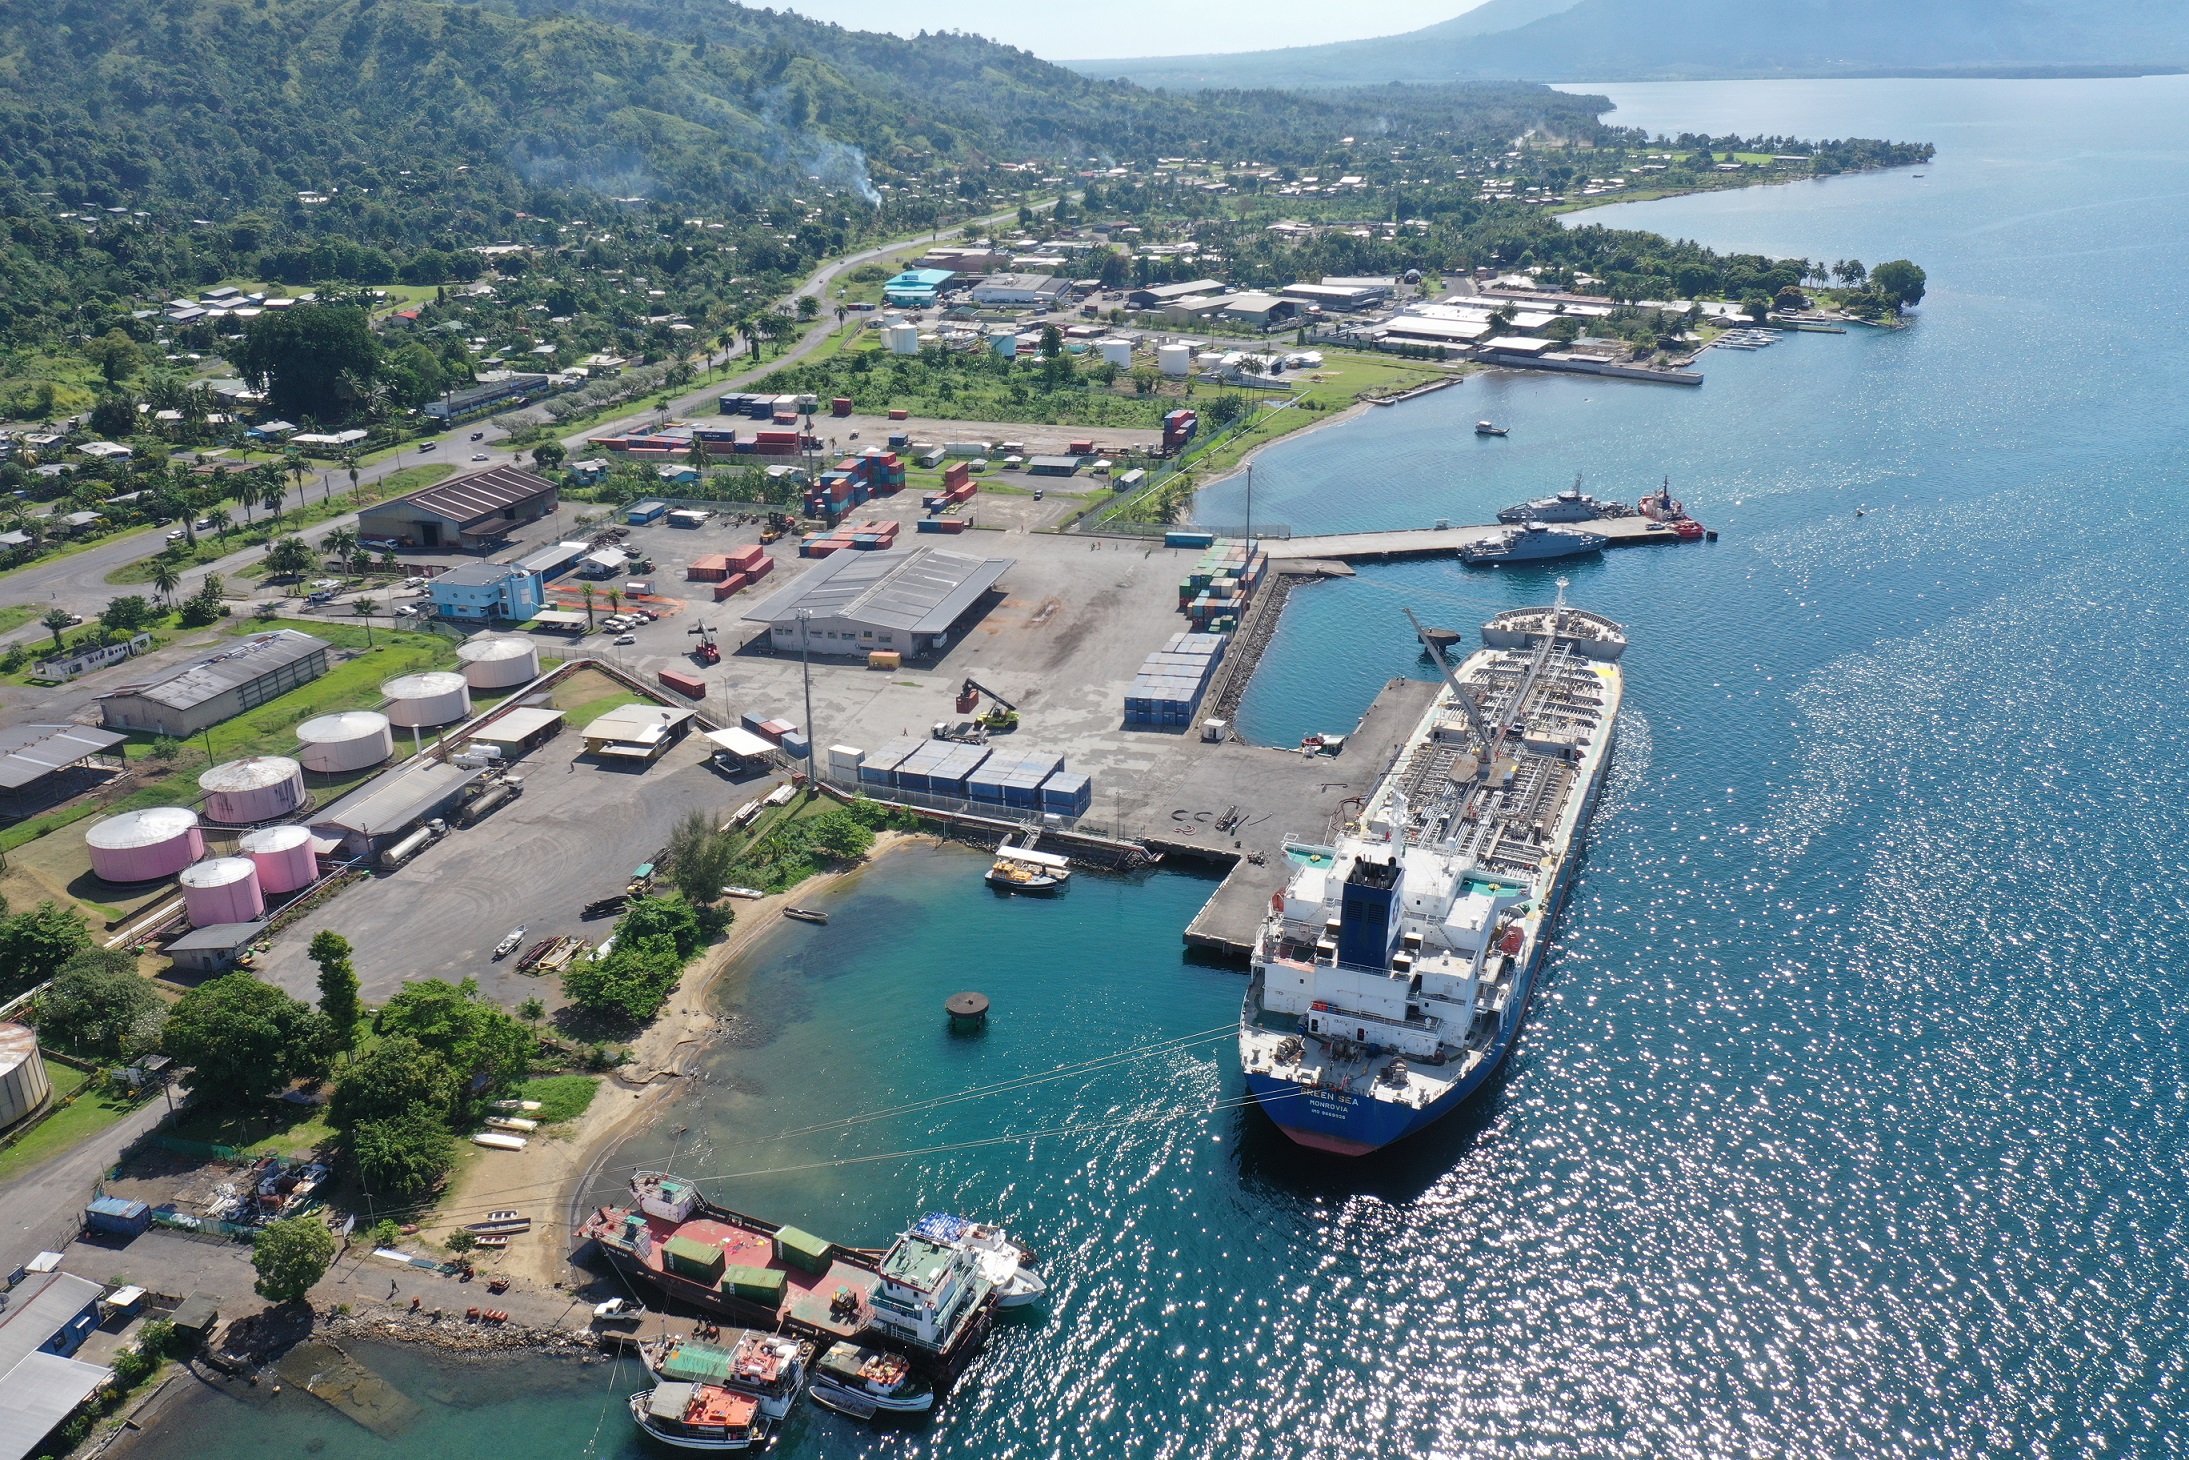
235, 103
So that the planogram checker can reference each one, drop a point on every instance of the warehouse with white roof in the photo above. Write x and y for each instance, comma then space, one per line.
913, 602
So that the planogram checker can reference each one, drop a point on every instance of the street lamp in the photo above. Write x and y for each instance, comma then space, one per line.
805, 669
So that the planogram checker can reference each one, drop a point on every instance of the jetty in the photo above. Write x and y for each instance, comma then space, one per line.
1445, 542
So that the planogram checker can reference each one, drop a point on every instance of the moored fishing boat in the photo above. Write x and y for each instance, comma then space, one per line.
872, 1376
806, 914
1022, 869
767, 1366
1003, 1262
699, 1417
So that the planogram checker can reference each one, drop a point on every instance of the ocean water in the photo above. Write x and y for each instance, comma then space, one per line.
1850, 1120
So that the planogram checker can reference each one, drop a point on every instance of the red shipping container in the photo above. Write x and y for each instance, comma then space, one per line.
760, 570
688, 685
710, 569
898, 415
840, 406
1080, 448
745, 556
729, 585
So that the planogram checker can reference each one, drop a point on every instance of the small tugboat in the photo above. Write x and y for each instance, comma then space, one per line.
806, 914
767, 1366
1004, 1263
1530, 542
874, 1379
1022, 869
1490, 428
699, 1417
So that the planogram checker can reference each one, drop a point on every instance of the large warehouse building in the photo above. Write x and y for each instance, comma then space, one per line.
912, 602
258, 669
477, 511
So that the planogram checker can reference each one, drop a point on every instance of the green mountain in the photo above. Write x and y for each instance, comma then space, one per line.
1619, 40
221, 105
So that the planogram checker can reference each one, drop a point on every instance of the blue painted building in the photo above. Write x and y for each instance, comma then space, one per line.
916, 288
477, 592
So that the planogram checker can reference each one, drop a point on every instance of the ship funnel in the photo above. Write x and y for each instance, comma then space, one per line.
1369, 910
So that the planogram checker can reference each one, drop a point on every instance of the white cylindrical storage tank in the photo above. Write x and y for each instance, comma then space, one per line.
425, 700
222, 890
23, 1084
353, 740
1116, 352
284, 857
245, 792
141, 846
499, 663
1174, 359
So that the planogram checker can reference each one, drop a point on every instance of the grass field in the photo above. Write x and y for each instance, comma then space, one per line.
212, 548
293, 1130
561, 1097
64, 1128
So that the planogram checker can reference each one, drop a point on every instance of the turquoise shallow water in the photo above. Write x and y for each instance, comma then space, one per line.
1850, 1117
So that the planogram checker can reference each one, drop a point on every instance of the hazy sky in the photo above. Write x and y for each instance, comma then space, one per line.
1139, 27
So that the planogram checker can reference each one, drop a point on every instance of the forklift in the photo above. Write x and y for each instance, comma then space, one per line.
708, 652
1001, 717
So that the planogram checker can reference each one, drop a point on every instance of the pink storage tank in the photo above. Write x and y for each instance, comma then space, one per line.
284, 857
260, 788
222, 890
143, 846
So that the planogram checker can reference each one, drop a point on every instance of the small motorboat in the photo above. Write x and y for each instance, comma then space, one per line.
750, 894
1022, 869
500, 1224
512, 1122
494, 1240
508, 945
1490, 428
495, 1140
806, 914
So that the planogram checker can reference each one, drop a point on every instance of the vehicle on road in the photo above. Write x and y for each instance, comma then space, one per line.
427, 445
478, 435
626, 639
478, 456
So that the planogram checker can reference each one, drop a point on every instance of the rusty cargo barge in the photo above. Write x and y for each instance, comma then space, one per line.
923, 1299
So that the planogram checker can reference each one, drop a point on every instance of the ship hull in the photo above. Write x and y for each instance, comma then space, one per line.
1344, 1124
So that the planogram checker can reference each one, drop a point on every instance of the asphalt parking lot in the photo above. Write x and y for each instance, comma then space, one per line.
573, 836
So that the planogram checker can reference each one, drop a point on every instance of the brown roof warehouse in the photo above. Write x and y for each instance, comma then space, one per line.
476, 511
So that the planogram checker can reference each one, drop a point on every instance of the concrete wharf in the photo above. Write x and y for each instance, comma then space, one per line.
1445, 542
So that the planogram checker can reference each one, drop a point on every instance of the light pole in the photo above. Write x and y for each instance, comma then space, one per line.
805, 670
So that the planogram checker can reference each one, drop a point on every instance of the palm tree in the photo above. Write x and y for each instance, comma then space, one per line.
341, 544
351, 463
615, 601
243, 491
165, 580
56, 619
271, 496
220, 521
585, 591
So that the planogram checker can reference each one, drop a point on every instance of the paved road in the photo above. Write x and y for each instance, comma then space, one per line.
41, 1209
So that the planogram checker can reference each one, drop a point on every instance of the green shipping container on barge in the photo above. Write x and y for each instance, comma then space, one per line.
755, 1284
690, 1258
802, 1249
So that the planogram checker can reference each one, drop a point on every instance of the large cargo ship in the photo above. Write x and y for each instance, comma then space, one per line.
1392, 973
927, 1299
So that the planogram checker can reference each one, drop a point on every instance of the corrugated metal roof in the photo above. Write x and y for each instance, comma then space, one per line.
395, 800
31, 752
519, 724
40, 1309
918, 591
208, 679
466, 499
217, 937
37, 1394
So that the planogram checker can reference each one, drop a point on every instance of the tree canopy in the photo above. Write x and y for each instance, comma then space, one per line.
402, 1155
99, 1004
395, 1077
483, 1046
34, 945
312, 360
245, 1039
290, 1256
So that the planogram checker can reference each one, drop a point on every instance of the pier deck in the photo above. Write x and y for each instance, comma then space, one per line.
1284, 793
1444, 542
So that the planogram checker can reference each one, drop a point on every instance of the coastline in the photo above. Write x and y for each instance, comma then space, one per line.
551, 1177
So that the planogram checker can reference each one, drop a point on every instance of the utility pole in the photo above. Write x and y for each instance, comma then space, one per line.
805, 669
1250, 517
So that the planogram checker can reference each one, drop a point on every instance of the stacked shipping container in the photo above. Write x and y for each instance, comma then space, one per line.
1171, 681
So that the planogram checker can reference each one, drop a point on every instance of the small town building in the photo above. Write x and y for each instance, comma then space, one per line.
215, 949
48, 1317
1156, 296
1021, 289
1260, 309
479, 592
388, 805
916, 288
638, 734
260, 668
476, 511
1344, 298
525, 728
472, 399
